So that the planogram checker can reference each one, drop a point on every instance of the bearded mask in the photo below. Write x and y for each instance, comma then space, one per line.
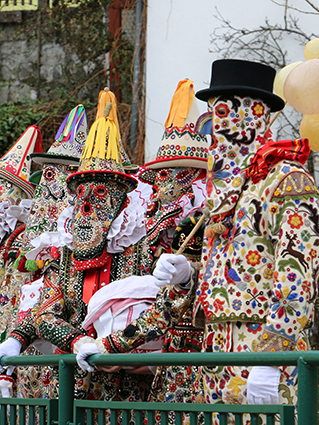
97, 204
239, 127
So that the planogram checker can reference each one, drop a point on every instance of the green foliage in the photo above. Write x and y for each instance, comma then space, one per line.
14, 121
82, 53
48, 116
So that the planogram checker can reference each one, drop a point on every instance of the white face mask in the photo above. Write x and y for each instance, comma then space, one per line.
239, 125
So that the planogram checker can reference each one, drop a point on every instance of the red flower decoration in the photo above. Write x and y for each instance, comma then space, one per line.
258, 109
222, 110
253, 258
295, 221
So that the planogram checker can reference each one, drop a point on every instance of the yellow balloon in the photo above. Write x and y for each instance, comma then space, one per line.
309, 128
301, 88
311, 50
281, 78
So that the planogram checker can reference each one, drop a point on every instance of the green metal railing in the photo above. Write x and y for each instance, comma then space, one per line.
67, 411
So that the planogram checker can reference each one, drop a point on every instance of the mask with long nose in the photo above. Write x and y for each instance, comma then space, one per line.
170, 184
51, 198
239, 127
97, 204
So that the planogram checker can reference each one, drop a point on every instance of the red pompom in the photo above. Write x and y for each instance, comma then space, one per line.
21, 265
55, 252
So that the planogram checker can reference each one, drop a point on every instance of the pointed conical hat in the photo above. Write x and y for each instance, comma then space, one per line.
16, 163
181, 146
69, 140
101, 157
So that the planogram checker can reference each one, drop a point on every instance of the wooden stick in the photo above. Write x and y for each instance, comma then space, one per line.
192, 233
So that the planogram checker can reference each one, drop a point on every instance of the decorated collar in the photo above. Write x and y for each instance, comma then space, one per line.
273, 152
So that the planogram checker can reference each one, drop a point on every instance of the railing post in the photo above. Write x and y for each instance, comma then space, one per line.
307, 393
66, 393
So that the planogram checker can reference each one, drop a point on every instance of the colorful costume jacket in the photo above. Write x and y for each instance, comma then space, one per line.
257, 286
61, 299
11, 284
266, 271
61, 310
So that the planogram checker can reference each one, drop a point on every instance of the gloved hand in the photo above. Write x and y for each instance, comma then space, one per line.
6, 386
263, 385
10, 347
75, 347
172, 269
85, 351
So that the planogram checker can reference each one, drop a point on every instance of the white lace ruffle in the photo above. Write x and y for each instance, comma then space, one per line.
191, 207
11, 214
63, 237
129, 227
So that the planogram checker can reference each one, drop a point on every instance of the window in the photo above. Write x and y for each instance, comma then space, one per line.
18, 5
68, 3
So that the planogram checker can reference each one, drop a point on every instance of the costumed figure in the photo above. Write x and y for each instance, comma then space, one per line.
108, 226
15, 202
178, 182
258, 277
47, 228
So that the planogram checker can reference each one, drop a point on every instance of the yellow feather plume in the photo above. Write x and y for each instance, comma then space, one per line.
105, 97
181, 104
103, 131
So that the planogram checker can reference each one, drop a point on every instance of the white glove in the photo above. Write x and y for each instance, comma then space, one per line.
10, 347
263, 385
85, 351
172, 269
6, 386
81, 341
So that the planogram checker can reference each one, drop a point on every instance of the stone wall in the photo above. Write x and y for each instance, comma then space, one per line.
29, 74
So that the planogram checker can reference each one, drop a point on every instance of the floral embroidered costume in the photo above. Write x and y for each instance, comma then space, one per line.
258, 276
15, 196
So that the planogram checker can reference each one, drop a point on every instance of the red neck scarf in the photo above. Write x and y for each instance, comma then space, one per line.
273, 152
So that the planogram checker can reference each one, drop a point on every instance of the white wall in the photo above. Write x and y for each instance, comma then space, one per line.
178, 46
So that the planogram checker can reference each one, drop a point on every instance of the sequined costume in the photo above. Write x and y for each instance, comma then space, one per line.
15, 194
178, 182
46, 227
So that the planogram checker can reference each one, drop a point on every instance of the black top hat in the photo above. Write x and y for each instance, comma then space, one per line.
242, 78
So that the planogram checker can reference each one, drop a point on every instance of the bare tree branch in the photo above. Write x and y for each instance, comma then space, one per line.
313, 5
285, 4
